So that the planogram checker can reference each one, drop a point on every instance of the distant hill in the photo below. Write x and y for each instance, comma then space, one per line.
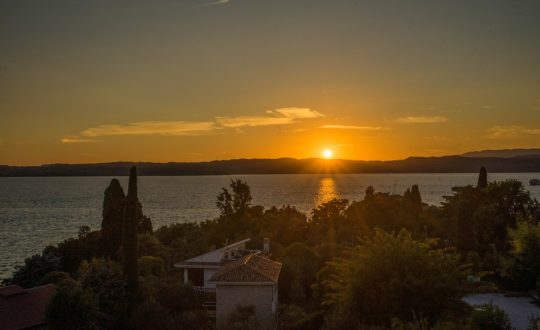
447, 164
504, 153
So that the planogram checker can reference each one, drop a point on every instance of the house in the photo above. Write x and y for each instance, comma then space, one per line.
198, 270
24, 308
236, 276
250, 280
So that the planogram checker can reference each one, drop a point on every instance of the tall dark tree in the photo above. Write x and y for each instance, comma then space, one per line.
129, 233
236, 203
113, 213
482, 178
413, 199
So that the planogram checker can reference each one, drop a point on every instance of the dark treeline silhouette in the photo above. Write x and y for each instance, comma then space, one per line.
447, 164
381, 262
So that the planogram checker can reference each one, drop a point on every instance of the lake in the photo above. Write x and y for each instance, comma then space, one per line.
39, 211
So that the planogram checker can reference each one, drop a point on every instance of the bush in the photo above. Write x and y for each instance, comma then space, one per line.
243, 318
151, 266
151, 315
391, 276
489, 317
71, 308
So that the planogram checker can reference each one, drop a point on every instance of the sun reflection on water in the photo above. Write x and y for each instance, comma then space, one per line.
327, 190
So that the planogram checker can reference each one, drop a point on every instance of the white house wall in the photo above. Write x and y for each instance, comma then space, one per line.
228, 297
207, 275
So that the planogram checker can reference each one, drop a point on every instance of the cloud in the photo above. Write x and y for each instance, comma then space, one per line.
297, 113
77, 140
511, 131
177, 128
248, 121
352, 127
215, 3
281, 116
422, 120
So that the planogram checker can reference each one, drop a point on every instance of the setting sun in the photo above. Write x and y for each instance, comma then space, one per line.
327, 153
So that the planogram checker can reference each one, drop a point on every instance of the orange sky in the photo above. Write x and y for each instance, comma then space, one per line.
196, 80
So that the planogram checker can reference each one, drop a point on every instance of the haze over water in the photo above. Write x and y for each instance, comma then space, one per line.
39, 211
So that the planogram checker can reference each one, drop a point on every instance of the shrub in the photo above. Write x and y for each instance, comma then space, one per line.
489, 317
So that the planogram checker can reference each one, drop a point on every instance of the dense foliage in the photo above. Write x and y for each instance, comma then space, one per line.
391, 276
387, 261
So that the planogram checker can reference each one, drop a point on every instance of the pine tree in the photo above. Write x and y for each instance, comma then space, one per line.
113, 214
482, 178
129, 233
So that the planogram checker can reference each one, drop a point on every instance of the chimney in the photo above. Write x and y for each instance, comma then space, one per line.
266, 247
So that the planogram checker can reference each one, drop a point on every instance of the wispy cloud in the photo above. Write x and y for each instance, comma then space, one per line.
296, 113
353, 127
77, 140
214, 3
248, 121
422, 120
280, 116
151, 128
511, 131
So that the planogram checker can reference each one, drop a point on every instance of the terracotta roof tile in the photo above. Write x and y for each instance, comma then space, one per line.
22, 309
250, 268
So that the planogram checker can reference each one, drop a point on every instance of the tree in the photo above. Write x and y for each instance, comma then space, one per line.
177, 297
370, 192
71, 308
35, 268
103, 279
482, 178
299, 271
327, 225
236, 203
476, 218
151, 315
412, 199
524, 269
391, 276
74, 250
151, 266
113, 212
129, 233
236, 212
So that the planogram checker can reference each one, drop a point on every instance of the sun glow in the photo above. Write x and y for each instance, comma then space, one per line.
327, 153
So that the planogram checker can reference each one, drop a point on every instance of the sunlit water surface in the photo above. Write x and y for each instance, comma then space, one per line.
36, 212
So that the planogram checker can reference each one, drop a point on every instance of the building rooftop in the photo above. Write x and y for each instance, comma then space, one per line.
23, 308
250, 268
212, 258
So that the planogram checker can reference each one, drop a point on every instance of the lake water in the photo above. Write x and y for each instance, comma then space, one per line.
36, 212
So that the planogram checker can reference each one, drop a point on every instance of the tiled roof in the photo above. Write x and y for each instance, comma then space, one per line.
22, 309
250, 268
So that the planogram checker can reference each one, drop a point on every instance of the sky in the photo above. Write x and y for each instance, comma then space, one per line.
198, 80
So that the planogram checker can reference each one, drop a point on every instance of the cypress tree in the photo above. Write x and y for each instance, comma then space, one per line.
415, 196
482, 178
129, 233
412, 198
113, 214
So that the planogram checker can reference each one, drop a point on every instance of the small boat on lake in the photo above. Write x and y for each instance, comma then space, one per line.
534, 182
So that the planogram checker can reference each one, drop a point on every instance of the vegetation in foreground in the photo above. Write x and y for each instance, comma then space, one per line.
382, 262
